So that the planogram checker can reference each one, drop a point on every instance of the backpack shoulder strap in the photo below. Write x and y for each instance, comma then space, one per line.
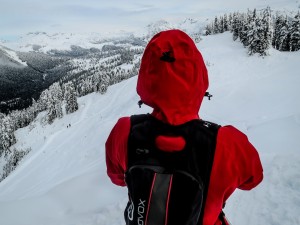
135, 119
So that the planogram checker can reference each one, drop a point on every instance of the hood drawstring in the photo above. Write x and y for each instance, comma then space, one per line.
207, 94
140, 103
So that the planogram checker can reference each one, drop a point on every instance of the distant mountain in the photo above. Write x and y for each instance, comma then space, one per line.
45, 42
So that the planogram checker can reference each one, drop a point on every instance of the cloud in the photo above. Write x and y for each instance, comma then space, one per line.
17, 17
22, 16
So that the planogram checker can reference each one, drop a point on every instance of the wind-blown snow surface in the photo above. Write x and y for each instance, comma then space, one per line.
63, 179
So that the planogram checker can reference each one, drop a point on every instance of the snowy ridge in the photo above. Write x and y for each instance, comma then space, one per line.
44, 42
12, 55
63, 179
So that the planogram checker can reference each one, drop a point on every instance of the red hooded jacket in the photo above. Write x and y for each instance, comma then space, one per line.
173, 80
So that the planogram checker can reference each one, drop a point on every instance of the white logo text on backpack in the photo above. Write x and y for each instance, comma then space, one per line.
141, 211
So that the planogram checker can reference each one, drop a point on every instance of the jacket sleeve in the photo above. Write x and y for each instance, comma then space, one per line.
116, 151
247, 160
252, 173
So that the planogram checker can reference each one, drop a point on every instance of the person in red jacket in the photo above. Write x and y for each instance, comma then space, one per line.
173, 80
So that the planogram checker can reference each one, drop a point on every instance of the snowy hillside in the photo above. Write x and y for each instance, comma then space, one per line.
63, 179
10, 57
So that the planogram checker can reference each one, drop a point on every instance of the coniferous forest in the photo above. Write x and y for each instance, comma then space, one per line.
258, 31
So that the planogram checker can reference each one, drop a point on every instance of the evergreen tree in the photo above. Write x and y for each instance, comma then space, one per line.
230, 19
243, 34
294, 41
43, 100
7, 136
254, 35
236, 26
225, 23
278, 25
209, 29
96, 81
267, 30
54, 103
284, 37
70, 98
221, 25
105, 79
13, 161
260, 33
216, 26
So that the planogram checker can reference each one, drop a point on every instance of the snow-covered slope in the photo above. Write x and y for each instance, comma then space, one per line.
63, 179
10, 58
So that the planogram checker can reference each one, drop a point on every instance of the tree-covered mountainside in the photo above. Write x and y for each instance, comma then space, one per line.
20, 83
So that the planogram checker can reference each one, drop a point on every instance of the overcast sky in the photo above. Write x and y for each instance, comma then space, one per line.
23, 16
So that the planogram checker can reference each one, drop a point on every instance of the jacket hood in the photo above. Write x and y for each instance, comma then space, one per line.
173, 77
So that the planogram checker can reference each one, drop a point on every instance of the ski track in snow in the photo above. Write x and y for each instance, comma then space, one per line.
63, 180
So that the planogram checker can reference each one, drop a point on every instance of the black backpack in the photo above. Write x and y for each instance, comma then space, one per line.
168, 188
